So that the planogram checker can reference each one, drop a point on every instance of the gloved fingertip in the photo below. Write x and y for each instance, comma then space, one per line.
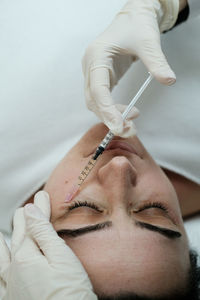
31, 210
41, 195
18, 215
18, 229
171, 81
166, 77
42, 201
129, 129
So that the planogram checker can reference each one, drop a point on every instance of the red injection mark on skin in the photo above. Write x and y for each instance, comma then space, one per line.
72, 193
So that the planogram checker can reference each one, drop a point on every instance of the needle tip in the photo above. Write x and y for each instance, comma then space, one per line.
71, 194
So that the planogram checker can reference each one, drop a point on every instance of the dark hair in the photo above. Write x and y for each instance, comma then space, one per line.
192, 291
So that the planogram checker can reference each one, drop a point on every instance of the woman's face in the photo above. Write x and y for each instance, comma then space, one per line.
125, 224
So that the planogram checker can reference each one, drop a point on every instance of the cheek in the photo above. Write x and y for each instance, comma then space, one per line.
56, 186
158, 185
61, 182
63, 177
155, 179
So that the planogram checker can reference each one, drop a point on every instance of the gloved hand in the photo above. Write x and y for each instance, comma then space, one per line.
4, 264
133, 34
52, 273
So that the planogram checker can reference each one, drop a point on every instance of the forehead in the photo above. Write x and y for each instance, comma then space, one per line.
122, 257
127, 242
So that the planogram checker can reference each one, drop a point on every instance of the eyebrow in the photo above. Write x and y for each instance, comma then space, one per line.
170, 234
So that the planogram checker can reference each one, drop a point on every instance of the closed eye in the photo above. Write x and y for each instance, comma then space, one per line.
95, 207
75, 232
160, 206
84, 203
92, 205
153, 205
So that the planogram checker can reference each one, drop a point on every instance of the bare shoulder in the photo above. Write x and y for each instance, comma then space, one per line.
188, 193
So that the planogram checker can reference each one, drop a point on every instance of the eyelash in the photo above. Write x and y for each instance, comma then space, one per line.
84, 203
94, 206
154, 204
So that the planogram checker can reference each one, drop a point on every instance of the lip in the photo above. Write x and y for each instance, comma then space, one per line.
117, 144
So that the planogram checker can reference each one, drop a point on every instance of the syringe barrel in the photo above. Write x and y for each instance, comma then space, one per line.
109, 136
104, 143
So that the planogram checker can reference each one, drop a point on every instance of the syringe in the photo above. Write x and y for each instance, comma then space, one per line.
104, 143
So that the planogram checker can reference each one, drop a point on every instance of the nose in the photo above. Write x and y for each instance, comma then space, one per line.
118, 173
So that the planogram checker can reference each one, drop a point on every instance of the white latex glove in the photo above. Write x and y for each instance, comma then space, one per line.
133, 34
55, 273
4, 264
